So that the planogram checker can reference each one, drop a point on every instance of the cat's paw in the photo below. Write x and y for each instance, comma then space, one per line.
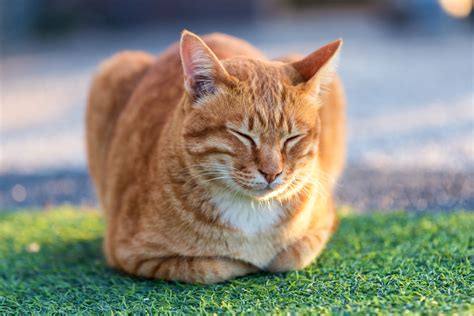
202, 270
296, 257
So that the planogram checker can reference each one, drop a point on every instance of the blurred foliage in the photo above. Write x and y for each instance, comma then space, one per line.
333, 3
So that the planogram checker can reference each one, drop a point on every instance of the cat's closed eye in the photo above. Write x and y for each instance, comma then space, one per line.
241, 135
292, 140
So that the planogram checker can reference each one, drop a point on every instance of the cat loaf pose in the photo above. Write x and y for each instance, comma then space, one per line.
212, 162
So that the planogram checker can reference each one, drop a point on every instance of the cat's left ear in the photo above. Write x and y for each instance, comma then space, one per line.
203, 72
318, 68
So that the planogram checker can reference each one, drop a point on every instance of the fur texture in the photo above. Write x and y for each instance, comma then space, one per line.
212, 162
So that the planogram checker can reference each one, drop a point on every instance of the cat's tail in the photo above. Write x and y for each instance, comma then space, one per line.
111, 88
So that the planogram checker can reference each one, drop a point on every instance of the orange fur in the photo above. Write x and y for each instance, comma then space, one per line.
212, 162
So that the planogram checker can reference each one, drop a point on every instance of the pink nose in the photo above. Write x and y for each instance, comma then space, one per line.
270, 177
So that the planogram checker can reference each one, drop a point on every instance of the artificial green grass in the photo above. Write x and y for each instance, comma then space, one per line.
382, 263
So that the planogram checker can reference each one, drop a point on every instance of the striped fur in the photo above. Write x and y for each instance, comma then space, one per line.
212, 162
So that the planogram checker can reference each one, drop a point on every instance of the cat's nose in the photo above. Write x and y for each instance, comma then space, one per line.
270, 176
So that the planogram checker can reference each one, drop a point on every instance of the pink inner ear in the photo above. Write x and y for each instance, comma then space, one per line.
201, 68
310, 65
187, 58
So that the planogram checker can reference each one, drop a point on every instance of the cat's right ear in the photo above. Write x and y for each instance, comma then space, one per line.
203, 72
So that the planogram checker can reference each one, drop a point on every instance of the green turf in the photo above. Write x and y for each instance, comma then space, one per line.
377, 263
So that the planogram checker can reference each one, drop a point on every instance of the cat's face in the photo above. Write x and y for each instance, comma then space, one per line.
255, 129
258, 137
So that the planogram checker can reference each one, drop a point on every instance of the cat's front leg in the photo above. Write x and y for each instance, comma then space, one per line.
301, 253
204, 270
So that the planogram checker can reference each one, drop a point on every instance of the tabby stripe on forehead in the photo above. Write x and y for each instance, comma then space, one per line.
261, 118
290, 127
205, 131
280, 120
251, 123
210, 151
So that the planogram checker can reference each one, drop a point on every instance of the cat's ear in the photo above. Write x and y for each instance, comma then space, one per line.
203, 72
318, 68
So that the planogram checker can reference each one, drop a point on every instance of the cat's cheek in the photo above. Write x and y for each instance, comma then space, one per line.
301, 164
311, 152
311, 148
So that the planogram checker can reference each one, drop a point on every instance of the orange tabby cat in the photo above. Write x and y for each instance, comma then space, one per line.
212, 162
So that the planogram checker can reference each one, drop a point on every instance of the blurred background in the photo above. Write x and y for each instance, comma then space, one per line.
407, 66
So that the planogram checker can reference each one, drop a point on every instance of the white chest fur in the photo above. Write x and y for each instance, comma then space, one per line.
247, 215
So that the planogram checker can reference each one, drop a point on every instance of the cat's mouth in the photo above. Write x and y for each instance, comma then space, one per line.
261, 192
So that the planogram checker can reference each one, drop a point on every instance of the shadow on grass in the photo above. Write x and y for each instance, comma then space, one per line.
77, 270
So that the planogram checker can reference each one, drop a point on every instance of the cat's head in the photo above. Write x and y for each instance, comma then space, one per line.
252, 126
